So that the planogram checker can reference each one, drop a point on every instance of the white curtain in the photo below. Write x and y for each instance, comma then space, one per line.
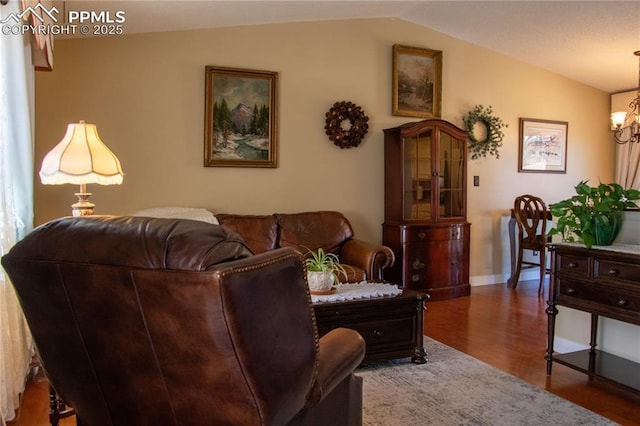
16, 196
628, 165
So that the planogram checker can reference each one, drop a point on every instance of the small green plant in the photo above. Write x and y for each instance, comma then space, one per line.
320, 261
592, 208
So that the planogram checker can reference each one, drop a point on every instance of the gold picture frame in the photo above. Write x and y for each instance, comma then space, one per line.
543, 146
417, 82
240, 117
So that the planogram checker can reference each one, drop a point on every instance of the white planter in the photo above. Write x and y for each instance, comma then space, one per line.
320, 281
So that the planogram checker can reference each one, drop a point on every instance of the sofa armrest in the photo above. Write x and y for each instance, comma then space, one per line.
341, 351
373, 258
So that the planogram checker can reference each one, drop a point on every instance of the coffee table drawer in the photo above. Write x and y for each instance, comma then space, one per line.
390, 326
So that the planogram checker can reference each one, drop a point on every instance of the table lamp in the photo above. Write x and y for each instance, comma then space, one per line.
81, 158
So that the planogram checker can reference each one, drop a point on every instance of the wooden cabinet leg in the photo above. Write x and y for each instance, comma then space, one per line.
57, 408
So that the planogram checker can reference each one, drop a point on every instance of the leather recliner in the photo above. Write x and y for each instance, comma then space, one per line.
142, 321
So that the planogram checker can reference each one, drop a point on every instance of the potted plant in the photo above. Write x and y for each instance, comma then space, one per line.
594, 215
322, 270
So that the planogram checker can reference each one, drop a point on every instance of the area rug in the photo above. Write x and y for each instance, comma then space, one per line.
456, 389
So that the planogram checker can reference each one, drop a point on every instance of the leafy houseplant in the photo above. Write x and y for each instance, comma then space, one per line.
594, 214
322, 269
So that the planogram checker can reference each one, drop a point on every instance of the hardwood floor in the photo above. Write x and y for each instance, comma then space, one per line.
503, 327
507, 328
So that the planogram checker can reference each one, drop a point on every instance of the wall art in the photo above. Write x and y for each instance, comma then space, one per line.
417, 82
543, 146
240, 118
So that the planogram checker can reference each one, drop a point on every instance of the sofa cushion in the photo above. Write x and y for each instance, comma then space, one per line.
312, 230
260, 233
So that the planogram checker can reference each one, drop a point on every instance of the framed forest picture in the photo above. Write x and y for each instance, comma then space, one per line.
240, 118
417, 82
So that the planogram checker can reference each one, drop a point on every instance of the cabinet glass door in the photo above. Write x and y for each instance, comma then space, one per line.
451, 180
417, 186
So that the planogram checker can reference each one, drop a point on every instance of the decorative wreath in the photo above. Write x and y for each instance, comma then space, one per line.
493, 140
346, 138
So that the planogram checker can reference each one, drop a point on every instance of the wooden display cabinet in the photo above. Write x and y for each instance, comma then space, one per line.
426, 207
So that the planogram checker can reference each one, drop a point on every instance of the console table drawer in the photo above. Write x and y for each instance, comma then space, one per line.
608, 270
575, 266
606, 297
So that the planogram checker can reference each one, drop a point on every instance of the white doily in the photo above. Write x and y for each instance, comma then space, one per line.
363, 290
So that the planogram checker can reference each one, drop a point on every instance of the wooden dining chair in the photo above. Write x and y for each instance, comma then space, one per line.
531, 215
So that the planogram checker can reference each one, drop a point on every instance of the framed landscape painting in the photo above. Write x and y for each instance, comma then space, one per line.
240, 118
543, 146
417, 82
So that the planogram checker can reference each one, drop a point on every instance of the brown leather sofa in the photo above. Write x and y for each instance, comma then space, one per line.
142, 321
305, 231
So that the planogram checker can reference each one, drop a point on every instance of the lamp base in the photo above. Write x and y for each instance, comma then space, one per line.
83, 207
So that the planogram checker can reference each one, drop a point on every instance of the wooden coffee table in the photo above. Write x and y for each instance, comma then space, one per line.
392, 326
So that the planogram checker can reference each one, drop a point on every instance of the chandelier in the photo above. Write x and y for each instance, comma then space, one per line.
627, 124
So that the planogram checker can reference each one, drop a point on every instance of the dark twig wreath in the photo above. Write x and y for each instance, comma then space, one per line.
492, 141
337, 115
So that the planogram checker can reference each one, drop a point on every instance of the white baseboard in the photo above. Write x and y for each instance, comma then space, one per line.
563, 346
530, 274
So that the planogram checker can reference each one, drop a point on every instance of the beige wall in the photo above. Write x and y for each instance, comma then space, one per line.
146, 95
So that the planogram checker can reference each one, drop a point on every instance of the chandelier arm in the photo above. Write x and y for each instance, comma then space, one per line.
634, 116
617, 136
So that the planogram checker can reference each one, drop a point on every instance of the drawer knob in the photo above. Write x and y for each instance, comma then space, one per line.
417, 264
573, 265
613, 271
622, 302
571, 290
422, 235
378, 333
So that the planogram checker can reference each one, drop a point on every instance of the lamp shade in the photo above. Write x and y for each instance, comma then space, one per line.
618, 118
81, 158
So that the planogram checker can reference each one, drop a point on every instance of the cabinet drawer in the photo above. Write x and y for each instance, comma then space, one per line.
605, 270
389, 333
589, 295
435, 233
575, 266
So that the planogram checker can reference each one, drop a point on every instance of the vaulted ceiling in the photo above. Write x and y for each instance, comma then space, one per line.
588, 41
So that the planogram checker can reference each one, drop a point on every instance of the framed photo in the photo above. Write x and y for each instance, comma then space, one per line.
240, 118
417, 82
543, 146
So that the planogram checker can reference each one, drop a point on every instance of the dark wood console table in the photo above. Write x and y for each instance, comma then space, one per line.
603, 282
392, 326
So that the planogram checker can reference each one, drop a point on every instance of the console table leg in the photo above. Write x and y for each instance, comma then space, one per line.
593, 342
551, 311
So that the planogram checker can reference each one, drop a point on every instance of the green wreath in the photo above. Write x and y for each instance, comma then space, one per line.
358, 127
493, 141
